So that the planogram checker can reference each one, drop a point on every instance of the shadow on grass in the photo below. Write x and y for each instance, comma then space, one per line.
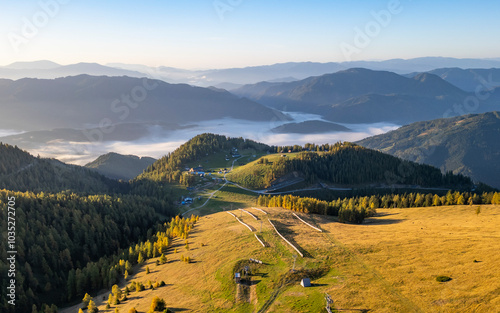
178, 309
380, 221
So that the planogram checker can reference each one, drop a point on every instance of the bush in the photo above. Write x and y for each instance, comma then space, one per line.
158, 304
443, 279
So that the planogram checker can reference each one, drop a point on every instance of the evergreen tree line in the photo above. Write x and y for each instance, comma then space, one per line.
354, 210
57, 233
307, 147
170, 167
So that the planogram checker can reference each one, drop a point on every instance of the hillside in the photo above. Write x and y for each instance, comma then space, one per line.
21, 171
466, 145
363, 95
362, 267
170, 167
101, 101
117, 166
343, 164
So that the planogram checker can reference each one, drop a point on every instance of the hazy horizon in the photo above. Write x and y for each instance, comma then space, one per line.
226, 34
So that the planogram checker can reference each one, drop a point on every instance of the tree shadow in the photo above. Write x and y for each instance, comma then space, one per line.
380, 221
383, 214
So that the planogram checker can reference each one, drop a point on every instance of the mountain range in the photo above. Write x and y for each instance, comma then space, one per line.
364, 96
85, 101
467, 145
234, 77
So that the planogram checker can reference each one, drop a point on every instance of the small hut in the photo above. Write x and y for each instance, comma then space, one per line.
305, 282
237, 277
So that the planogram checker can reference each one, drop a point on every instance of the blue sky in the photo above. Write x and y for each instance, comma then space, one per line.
194, 34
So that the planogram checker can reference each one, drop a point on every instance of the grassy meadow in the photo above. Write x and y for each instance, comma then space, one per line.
387, 264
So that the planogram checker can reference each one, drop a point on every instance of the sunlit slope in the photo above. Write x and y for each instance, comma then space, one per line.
388, 264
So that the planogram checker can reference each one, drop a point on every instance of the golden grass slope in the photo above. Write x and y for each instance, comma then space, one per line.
388, 264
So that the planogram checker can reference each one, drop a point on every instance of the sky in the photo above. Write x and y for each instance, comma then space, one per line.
202, 34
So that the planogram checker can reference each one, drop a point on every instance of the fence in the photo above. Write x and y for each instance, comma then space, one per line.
288, 242
307, 223
255, 217
241, 221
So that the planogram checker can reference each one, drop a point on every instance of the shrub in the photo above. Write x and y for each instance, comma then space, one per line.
443, 279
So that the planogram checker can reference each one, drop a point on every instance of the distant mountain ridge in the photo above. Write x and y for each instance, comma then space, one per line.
467, 145
118, 166
51, 70
361, 95
86, 101
244, 75
471, 80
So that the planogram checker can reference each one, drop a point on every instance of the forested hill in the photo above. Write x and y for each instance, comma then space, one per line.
63, 239
346, 164
170, 167
118, 166
467, 145
21, 171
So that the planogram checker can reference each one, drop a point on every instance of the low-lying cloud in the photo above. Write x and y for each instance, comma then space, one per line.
158, 144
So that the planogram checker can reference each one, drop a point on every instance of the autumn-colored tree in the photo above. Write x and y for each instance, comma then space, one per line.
86, 300
163, 259
92, 308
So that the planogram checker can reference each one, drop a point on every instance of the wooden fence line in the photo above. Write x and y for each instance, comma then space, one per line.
307, 223
260, 210
261, 242
241, 221
288, 242
249, 213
